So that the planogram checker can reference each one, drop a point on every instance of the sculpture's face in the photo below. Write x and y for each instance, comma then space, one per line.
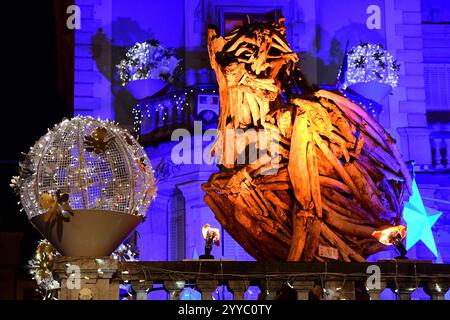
254, 61
263, 52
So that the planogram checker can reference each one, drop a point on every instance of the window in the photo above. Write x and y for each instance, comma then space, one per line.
176, 235
437, 86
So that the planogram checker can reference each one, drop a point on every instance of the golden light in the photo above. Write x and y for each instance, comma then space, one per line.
285, 122
211, 233
387, 235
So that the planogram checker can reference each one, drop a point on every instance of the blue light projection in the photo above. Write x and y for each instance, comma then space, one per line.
419, 221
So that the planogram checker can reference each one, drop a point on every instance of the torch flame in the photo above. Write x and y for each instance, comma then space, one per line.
386, 235
213, 233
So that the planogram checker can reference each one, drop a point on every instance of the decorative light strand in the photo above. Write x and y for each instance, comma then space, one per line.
181, 100
373, 108
371, 62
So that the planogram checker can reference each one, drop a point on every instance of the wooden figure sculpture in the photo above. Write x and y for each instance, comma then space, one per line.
326, 174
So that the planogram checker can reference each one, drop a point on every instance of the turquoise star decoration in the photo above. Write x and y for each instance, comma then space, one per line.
419, 220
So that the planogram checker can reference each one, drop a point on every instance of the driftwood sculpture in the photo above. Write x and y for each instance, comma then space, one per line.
323, 173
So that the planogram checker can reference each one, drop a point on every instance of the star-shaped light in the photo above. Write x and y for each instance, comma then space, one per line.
419, 220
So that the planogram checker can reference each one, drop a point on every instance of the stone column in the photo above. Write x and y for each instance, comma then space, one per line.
207, 287
437, 288
238, 288
303, 287
340, 290
174, 288
141, 287
404, 289
445, 154
436, 155
87, 278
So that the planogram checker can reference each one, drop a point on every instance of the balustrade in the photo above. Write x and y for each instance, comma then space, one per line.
440, 145
101, 278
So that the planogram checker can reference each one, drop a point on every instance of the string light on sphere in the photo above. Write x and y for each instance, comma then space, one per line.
84, 173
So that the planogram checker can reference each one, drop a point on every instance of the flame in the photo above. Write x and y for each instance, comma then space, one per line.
386, 235
209, 232
285, 122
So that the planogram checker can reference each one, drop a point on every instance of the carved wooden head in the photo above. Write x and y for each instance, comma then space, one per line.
253, 64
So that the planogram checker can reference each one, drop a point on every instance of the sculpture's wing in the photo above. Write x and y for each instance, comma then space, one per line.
345, 171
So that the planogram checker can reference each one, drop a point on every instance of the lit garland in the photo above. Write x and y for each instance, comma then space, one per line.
371, 62
148, 60
180, 100
40, 268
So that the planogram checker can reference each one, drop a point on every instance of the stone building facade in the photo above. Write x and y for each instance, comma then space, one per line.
416, 113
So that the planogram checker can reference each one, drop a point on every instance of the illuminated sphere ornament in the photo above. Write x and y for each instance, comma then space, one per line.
371, 71
85, 185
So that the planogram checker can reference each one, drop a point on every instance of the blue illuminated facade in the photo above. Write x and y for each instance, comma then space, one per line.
417, 113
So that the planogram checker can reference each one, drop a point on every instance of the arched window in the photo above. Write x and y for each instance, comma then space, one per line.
176, 233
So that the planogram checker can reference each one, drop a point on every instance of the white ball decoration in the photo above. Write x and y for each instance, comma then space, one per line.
371, 63
84, 163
